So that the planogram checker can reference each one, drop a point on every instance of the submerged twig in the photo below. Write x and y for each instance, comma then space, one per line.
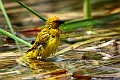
49, 74
94, 48
77, 45
101, 34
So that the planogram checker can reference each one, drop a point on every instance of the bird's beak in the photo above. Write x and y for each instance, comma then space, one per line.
61, 22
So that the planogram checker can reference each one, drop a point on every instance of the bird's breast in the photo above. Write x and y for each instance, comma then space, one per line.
52, 44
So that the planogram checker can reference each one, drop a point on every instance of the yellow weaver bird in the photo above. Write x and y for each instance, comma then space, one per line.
46, 41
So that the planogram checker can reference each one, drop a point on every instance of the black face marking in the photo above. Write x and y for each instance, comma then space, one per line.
56, 21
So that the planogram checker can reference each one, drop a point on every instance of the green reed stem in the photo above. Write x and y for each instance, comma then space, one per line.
9, 24
37, 14
14, 37
87, 9
87, 12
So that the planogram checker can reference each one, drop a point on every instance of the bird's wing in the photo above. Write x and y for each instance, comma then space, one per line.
42, 37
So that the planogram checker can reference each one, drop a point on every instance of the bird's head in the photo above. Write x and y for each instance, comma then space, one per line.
54, 22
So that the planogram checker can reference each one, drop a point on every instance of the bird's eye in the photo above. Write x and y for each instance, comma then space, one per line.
56, 21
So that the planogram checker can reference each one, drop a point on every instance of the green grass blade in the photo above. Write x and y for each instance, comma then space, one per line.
41, 17
9, 24
14, 37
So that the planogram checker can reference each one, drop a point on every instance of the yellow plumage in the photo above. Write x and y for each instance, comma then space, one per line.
46, 41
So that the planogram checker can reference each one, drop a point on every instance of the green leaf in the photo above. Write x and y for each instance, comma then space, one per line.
70, 25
